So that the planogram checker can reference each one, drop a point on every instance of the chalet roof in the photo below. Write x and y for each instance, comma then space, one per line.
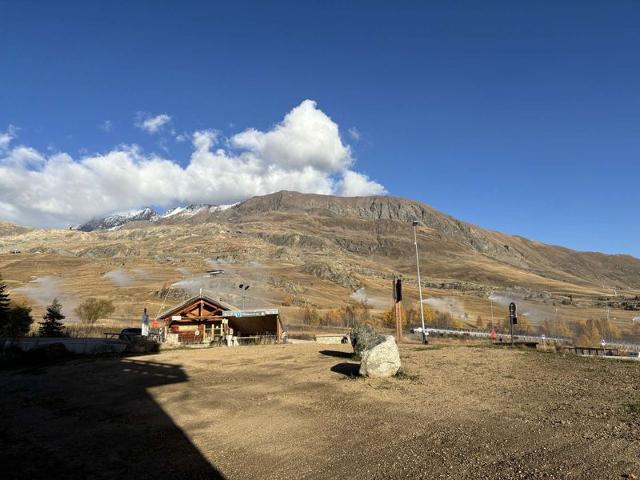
192, 300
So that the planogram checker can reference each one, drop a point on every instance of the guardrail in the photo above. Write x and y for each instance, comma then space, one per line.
531, 338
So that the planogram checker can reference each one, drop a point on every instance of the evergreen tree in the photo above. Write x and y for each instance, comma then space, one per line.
52, 325
19, 323
5, 307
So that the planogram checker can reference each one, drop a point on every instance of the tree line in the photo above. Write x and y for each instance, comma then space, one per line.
588, 332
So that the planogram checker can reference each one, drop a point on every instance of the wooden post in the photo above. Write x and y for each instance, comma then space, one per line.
398, 312
278, 329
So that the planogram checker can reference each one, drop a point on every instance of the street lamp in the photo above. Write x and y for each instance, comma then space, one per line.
415, 242
243, 290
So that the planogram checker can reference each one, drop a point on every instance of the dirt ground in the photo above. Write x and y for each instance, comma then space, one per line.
296, 411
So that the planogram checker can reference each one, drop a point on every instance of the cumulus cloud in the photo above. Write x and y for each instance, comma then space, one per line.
306, 137
152, 124
354, 184
304, 152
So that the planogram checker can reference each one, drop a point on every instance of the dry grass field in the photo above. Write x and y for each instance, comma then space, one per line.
459, 410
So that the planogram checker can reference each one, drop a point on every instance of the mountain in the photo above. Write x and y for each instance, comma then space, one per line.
380, 226
303, 249
117, 220
8, 229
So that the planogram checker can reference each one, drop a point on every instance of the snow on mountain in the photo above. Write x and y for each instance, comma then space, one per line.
191, 210
117, 220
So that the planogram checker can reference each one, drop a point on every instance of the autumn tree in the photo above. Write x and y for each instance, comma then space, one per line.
389, 318
93, 309
587, 334
311, 316
332, 317
608, 329
524, 325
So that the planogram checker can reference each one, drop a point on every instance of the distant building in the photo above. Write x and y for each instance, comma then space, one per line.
204, 320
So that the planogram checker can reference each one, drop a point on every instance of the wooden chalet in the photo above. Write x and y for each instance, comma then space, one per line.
202, 319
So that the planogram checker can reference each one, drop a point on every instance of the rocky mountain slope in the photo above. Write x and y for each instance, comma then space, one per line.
380, 225
298, 249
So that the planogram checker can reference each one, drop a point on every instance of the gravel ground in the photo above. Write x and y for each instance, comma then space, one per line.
458, 410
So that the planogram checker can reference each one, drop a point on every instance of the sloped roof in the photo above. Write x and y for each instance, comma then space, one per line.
192, 300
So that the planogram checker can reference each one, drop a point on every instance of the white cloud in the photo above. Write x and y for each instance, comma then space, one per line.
306, 137
106, 126
7, 137
152, 124
354, 133
354, 184
304, 153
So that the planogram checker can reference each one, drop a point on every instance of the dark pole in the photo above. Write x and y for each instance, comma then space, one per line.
513, 319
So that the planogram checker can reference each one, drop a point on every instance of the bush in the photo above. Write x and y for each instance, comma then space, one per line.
364, 337
93, 309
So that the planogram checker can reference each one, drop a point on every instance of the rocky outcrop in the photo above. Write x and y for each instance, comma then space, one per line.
382, 360
332, 272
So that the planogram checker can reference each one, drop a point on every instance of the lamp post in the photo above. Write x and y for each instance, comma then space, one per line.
243, 291
415, 242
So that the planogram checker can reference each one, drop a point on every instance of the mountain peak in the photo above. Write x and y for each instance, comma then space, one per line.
118, 219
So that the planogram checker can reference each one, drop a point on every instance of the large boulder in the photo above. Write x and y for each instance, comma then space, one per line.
381, 360
364, 337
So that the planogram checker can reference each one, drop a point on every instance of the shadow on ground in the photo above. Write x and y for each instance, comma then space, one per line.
347, 369
94, 419
336, 353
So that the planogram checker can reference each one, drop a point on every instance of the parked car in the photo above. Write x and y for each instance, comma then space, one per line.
129, 334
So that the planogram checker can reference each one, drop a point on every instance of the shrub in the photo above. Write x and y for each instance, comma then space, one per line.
93, 309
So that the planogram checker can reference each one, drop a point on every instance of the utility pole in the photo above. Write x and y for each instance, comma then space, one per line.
415, 242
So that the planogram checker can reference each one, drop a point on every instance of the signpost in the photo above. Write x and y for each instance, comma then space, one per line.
513, 319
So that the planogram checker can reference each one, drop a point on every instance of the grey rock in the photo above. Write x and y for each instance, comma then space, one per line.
382, 360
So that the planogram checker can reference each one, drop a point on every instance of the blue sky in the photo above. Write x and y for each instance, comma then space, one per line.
517, 116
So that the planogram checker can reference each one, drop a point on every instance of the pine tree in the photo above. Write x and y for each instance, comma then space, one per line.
52, 325
19, 323
5, 309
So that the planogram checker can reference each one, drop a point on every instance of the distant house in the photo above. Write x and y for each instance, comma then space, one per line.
202, 319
